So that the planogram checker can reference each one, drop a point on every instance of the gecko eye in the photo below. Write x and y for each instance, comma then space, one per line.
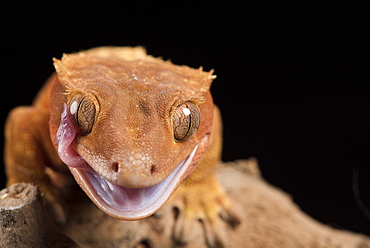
186, 119
83, 113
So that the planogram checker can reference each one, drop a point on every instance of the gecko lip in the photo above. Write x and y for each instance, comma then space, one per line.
118, 201
129, 203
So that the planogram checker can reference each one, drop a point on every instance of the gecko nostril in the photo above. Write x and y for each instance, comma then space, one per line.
153, 169
115, 167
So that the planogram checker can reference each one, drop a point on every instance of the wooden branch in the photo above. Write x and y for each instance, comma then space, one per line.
24, 221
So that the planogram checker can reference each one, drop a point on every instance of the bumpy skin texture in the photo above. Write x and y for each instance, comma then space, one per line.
130, 128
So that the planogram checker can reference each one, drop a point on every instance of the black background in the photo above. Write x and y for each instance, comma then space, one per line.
293, 81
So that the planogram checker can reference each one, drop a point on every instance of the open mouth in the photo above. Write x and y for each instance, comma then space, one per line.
118, 201
129, 203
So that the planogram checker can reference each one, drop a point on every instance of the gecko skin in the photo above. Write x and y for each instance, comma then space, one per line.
130, 128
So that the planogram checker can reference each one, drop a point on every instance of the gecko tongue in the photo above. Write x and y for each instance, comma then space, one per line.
118, 201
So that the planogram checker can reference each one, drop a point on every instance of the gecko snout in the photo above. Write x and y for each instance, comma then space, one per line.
135, 174
115, 168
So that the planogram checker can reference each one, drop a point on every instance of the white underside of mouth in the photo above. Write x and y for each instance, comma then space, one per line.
130, 203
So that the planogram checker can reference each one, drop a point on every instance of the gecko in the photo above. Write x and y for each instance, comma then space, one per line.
134, 131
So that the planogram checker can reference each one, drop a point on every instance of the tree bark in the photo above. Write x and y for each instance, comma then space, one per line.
24, 221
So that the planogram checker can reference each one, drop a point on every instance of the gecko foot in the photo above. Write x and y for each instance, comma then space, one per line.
205, 205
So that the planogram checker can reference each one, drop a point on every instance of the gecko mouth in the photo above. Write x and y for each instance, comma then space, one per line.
129, 203
118, 201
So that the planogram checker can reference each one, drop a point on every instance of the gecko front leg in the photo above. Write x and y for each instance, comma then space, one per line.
29, 152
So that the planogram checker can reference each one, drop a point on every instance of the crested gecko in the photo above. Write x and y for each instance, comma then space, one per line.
134, 131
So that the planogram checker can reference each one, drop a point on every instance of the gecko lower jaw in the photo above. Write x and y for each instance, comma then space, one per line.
129, 203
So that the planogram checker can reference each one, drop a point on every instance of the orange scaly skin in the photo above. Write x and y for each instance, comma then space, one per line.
129, 128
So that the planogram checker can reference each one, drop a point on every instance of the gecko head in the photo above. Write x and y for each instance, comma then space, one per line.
130, 130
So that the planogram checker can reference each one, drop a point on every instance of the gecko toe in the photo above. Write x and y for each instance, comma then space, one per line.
214, 233
185, 229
